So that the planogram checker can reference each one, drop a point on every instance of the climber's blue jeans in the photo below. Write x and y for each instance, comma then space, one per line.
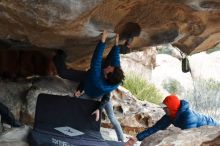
110, 112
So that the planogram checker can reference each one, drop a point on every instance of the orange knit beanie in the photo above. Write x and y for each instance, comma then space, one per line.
173, 104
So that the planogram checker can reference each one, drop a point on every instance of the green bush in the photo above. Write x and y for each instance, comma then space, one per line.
173, 86
142, 89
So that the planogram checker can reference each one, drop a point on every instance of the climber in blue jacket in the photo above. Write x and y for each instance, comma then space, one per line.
103, 77
180, 115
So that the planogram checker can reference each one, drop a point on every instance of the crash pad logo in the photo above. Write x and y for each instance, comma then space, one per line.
69, 131
60, 142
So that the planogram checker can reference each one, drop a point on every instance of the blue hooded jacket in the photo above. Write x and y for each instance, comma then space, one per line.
95, 85
185, 119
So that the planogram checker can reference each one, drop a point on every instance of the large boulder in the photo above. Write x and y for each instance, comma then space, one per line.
21, 96
75, 25
15, 137
141, 63
203, 136
133, 115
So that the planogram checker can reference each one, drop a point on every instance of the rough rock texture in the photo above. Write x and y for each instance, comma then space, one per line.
15, 137
203, 136
13, 95
21, 96
75, 25
133, 115
141, 63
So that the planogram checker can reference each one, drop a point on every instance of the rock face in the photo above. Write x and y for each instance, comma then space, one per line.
75, 25
15, 137
141, 63
133, 115
21, 96
203, 136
